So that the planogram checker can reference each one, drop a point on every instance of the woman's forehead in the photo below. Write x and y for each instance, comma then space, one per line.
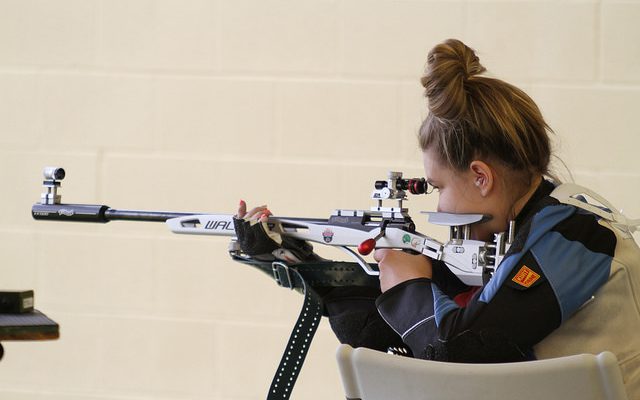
432, 164
437, 171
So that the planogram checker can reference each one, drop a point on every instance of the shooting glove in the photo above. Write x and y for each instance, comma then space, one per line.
263, 239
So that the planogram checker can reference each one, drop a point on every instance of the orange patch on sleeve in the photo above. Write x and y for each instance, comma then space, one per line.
526, 277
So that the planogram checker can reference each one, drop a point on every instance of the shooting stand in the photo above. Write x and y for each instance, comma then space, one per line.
33, 325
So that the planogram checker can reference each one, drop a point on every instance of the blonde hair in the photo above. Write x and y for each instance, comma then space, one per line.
473, 116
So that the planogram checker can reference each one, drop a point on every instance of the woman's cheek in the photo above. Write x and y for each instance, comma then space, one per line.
443, 203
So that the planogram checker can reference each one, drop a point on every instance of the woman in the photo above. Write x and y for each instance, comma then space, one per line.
570, 282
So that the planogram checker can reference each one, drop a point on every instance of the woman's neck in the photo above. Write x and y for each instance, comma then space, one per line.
522, 200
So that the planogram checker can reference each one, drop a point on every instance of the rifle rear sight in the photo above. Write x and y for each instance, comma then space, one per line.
394, 189
413, 185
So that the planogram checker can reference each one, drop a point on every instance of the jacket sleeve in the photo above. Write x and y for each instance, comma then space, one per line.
409, 309
354, 319
430, 322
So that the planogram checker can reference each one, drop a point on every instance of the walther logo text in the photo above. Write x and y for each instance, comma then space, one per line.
219, 225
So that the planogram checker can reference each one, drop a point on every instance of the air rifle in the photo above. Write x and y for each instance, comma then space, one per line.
356, 232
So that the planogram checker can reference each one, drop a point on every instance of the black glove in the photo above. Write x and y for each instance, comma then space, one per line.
263, 239
253, 237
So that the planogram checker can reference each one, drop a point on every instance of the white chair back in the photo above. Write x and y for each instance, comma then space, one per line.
372, 375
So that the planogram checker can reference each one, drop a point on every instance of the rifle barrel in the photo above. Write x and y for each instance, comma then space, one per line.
103, 214
136, 215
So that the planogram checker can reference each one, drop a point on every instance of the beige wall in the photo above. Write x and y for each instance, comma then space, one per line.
191, 105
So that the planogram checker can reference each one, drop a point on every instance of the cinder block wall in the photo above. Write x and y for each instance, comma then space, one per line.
192, 105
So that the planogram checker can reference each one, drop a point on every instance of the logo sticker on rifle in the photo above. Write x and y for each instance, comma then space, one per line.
327, 235
219, 225
406, 238
525, 277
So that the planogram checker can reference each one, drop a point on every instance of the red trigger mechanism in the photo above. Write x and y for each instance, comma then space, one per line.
366, 247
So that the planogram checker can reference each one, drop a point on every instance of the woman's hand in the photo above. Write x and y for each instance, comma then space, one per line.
398, 266
253, 234
260, 213
257, 237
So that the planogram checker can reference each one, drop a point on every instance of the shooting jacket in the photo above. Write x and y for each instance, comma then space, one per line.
569, 284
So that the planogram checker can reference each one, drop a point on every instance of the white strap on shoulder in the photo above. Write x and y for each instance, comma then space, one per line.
567, 193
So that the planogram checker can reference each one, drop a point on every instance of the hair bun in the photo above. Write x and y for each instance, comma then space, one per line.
450, 67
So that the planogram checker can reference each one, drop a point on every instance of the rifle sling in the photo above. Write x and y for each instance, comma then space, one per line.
305, 278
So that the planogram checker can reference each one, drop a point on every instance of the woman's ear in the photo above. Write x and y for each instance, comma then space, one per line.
483, 177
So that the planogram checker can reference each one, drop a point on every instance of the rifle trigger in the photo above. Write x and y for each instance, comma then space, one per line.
366, 247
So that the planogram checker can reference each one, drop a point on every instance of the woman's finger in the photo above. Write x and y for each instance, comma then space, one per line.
265, 215
242, 209
255, 213
379, 254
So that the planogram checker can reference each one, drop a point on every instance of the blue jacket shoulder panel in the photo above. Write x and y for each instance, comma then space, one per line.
541, 224
574, 271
